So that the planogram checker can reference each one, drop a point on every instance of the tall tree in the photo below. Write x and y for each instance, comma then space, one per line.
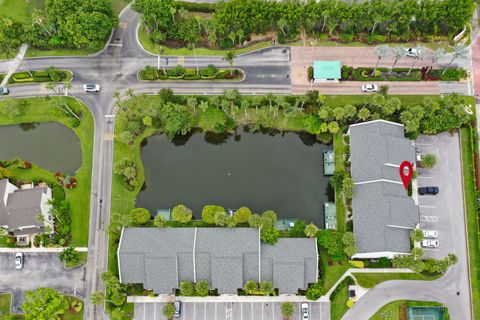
381, 51
459, 51
399, 52
230, 57
44, 303
420, 53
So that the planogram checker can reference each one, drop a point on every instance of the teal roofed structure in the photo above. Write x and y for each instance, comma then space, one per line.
327, 71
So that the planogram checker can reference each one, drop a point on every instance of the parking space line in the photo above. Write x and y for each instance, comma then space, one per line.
194, 312
155, 311
262, 310
273, 311
144, 310
204, 311
241, 310
299, 312
184, 311
425, 177
215, 311
428, 207
251, 304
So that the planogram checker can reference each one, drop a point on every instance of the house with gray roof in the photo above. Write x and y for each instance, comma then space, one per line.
226, 257
383, 213
20, 208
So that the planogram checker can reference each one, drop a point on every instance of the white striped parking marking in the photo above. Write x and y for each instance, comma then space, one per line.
194, 312
144, 310
251, 305
273, 311
428, 207
215, 311
155, 311
204, 311
262, 310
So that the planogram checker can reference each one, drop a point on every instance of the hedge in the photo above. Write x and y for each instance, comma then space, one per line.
401, 74
35, 76
149, 74
197, 7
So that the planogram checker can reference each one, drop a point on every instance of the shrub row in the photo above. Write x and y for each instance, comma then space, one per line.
401, 74
180, 73
37, 76
196, 7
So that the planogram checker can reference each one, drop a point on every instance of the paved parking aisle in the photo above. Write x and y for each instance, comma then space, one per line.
443, 212
230, 311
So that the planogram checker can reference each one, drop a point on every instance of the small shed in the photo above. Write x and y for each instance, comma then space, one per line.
330, 212
327, 71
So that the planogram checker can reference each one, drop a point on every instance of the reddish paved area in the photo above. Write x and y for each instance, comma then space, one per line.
476, 64
302, 57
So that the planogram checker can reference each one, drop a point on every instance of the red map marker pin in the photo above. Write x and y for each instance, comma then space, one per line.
406, 172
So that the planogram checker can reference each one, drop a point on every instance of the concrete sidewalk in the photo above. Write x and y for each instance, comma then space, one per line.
14, 64
221, 298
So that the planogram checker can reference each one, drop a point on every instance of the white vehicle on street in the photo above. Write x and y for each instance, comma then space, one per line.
178, 309
3, 91
370, 87
305, 311
432, 234
412, 52
18, 260
91, 87
430, 243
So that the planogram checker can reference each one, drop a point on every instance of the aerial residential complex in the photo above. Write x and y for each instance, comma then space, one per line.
239, 160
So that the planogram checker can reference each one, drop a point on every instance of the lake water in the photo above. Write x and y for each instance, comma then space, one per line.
50, 145
282, 172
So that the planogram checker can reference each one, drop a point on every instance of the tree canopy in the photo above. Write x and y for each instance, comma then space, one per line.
44, 304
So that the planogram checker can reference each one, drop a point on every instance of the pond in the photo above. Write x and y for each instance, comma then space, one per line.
282, 172
49, 145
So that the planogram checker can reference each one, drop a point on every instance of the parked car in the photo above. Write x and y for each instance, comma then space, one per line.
433, 234
305, 311
430, 243
178, 309
428, 190
3, 91
370, 87
91, 87
412, 52
18, 260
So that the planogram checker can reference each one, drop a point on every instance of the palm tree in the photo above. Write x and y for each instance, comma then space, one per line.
419, 56
130, 92
159, 53
230, 57
437, 55
67, 86
173, 12
51, 86
381, 51
459, 51
288, 309
399, 52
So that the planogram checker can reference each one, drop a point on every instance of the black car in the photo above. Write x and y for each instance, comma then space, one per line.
427, 190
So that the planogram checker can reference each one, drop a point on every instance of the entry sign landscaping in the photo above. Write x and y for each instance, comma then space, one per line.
406, 172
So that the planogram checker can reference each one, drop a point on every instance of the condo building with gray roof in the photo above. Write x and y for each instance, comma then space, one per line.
20, 209
226, 257
383, 213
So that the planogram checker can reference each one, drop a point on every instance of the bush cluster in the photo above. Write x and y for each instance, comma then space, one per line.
150, 73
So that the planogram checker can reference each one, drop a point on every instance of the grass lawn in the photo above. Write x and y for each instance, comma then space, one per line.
20, 9
150, 47
370, 280
339, 148
81, 261
338, 305
393, 308
472, 219
71, 314
5, 301
118, 5
39, 110
334, 271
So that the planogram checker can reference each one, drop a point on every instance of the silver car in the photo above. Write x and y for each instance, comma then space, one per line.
369, 87
178, 309
430, 243
3, 91
412, 52
18, 260
305, 311
432, 234
91, 87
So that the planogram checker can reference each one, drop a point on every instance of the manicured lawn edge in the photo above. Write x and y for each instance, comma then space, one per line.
149, 46
39, 110
394, 307
370, 280
471, 217
339, 150
80, 262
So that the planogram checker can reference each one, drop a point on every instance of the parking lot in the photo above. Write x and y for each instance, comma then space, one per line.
442, 212
39, 270
230, 311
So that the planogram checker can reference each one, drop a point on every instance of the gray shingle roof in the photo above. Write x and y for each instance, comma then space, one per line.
291, 263
225, 257
21, 208
383, 213
374, 145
